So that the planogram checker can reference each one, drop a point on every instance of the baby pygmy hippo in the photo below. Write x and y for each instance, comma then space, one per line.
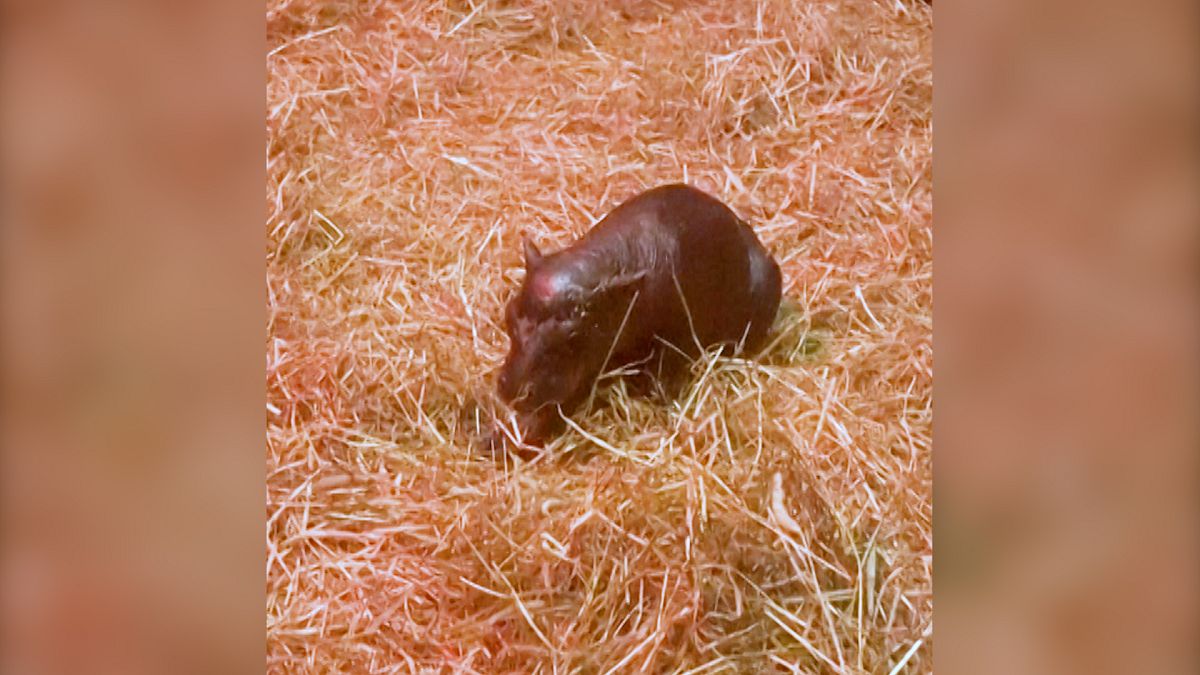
665, 275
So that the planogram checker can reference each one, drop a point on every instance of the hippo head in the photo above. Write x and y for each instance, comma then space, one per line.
562, 325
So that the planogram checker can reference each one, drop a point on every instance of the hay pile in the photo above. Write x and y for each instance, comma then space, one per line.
777, 517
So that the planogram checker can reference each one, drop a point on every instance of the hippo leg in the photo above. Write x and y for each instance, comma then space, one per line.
670, 369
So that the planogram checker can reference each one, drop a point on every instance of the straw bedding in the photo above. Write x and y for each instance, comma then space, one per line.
775, 517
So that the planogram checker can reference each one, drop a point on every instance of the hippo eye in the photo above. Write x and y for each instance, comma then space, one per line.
572, 312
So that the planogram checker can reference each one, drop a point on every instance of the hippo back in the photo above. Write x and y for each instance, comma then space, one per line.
712, 282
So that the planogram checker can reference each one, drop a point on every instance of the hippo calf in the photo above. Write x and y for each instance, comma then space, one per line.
662, 277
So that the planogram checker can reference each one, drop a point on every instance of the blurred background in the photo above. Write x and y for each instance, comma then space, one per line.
1066, 331
131, 293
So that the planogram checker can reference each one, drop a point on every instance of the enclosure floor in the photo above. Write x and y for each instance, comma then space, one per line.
775, 517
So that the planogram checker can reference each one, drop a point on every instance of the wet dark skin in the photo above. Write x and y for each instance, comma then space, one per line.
665, 275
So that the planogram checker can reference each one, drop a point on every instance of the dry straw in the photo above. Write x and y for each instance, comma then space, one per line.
775, 517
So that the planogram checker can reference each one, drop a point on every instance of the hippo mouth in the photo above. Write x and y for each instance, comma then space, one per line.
540, 423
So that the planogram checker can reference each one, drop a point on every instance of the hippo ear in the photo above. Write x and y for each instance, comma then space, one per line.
533, 257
